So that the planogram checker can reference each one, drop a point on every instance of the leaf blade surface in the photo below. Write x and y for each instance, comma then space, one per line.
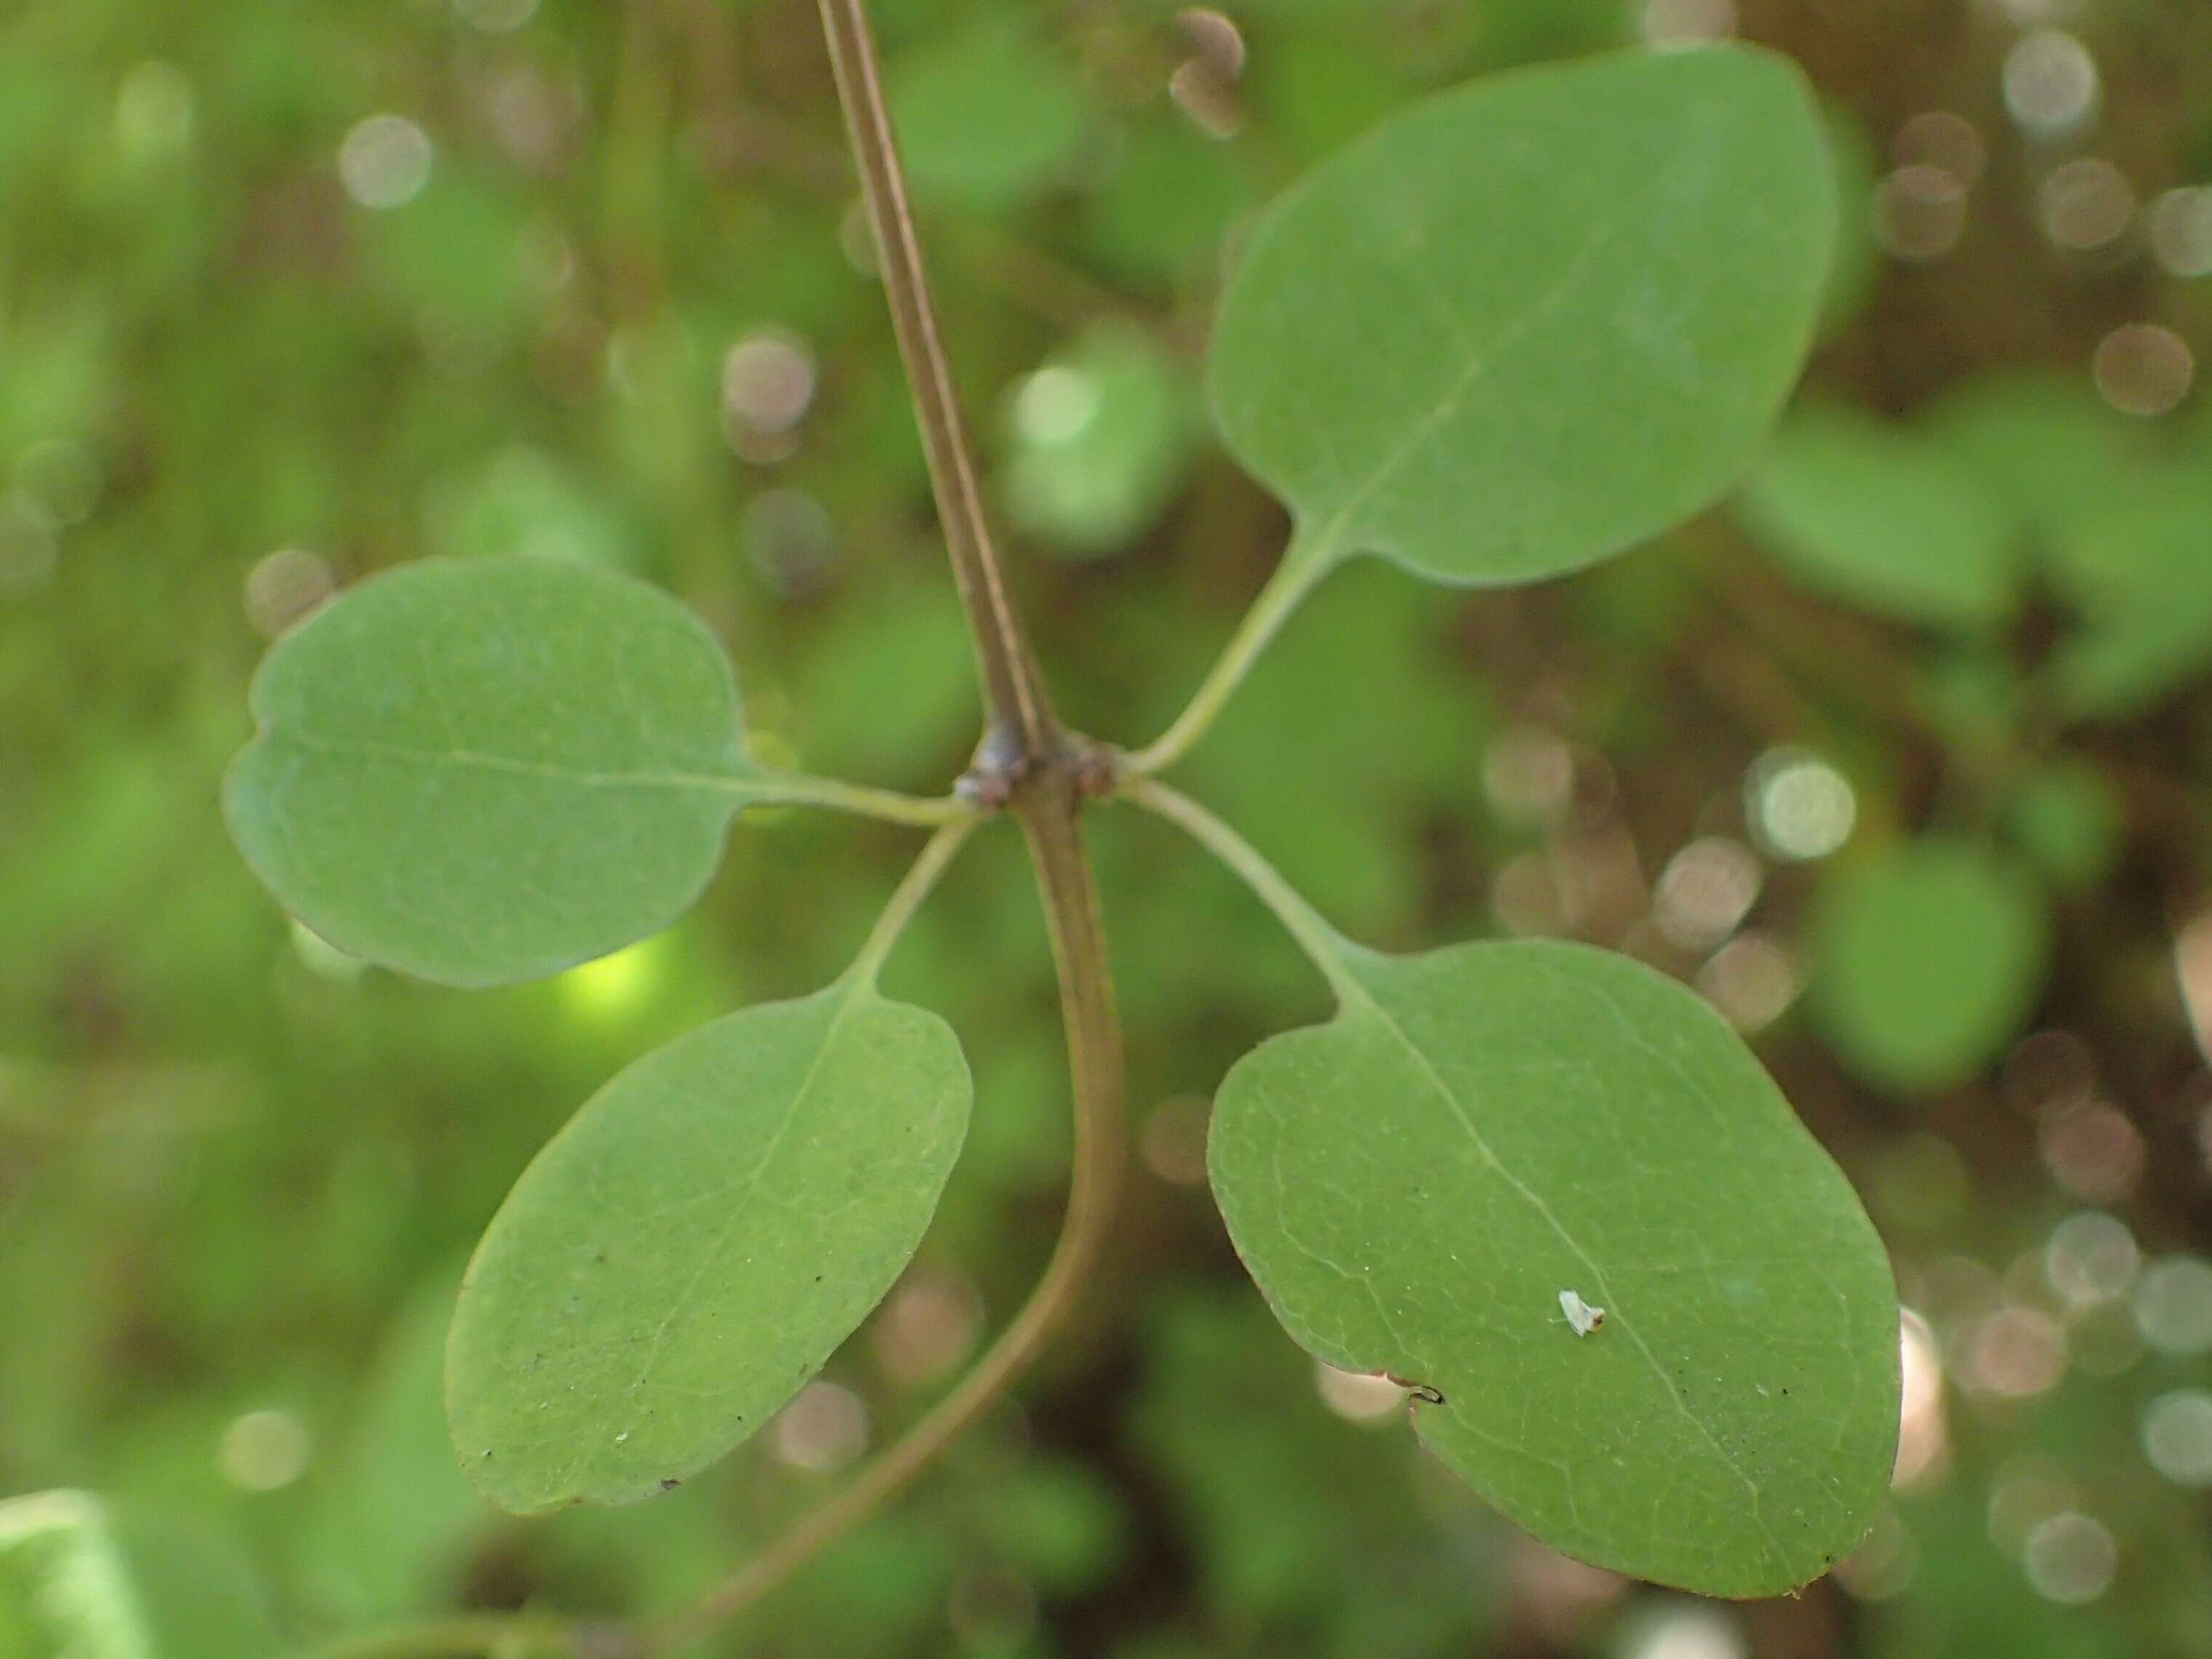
1416, 1183
1529, 324
678, 1261
488, 770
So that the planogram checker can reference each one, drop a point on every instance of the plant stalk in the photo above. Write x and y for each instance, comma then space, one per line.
1021, 718
1026, 749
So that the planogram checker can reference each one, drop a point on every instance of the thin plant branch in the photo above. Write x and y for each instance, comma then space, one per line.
1045, 775
1012, 690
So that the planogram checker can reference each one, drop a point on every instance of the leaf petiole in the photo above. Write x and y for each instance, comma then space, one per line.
1330, 952
1308, 560
886, 805
907, 898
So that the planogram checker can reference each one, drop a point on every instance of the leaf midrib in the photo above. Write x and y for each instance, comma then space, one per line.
1334, 539
853, 995
1374, 1006
736, 783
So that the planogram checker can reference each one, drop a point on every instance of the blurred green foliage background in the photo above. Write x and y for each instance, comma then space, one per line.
1902, 757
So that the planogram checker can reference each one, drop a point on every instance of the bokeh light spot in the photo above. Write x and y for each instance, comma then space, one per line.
2051, 86
2087, 203
2177, 1437
264, 1450
1671, 23
1055, 405
614, 987
1173, 1141
386, 162
2070, 1558
1705, 891
2143, 369
823, 1430
1801, 808
285, 588
1945, 140
2173, 1305
1919, 212
2180, 227
1528, 775
496, 16
1752, 980
928, 1326
2090, 1257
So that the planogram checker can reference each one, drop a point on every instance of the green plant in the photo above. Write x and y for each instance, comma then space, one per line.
1517, 330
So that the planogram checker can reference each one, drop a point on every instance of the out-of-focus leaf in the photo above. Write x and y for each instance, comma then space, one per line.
1168, 196
2147, 554
987, 119
1880, 518
1482, 1132
392, 1513
2070, 822
83, 1581
2141, 578
2124, 666
887, 692
1099, 437
2119, 531
1858, 260
522, 501
699, 1240
56, 379
1058, 1521
1488, 340
1927, 960
2047, 447
1318, 89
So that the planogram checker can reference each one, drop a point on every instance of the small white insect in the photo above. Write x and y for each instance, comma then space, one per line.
1582, 1318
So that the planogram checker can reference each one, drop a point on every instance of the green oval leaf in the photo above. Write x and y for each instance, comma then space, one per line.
2139, 580
1927, 961
1885, 520
488, 770
1483, 1132
2070, 823
1529, 324
694, 1246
